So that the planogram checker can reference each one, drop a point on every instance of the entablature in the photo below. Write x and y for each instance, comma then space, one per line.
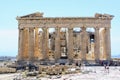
37, 20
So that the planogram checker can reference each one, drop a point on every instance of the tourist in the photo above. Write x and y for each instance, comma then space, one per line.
107, 68
80, 65
115, 65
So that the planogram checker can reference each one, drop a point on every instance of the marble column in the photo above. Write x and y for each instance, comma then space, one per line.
25, 42
24, 47
83, 44
36, 48
70, 43
97, 44
40, 45
57, 44
20, 49
45, 44
107, 43
31, 44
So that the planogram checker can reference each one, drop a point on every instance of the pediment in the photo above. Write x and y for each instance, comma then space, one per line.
37, 14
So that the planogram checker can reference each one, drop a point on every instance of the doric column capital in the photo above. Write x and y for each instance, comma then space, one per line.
107, 28
96, 28
83, 28
31, 29
70, 28
21, 29
57, 28
44, 28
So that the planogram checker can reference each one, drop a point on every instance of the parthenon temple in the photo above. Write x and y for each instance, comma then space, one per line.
72, 38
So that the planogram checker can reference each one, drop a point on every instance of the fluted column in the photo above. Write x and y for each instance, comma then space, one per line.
57, 44
45, 44
70, 43
40, 45
83, 44
20, 45
36, 50
31, 44
25, 43
97, 44
107, 43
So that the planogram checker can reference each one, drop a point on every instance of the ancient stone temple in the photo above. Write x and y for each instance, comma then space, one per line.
72, 38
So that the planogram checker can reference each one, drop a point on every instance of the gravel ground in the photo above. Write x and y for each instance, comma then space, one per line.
88, 73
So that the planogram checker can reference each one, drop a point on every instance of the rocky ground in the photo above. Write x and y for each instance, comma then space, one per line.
87, 73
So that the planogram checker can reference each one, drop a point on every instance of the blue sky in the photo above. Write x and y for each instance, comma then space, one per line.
9, 9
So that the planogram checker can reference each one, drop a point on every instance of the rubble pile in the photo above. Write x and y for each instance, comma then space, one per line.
7, 70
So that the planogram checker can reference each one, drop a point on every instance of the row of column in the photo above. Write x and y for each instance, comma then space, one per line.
70, 44
97, 43
28, 44
29, 47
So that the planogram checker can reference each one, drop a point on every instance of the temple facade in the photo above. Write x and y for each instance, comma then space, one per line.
72, 38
